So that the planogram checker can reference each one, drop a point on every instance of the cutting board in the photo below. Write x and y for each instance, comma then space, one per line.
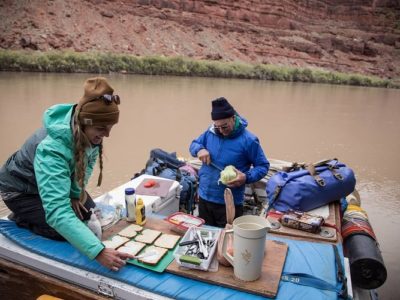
163, 263
160, 266
327, 234
160, 189
267, 285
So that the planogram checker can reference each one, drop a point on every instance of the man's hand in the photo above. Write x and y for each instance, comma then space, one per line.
238, 181
77, 206
113, 259
204, 156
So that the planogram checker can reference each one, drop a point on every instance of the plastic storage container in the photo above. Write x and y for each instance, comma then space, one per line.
190, 255
165, 206
181, 222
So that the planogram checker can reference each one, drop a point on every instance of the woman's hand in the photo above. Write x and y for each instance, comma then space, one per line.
238, 181
204, 156
77, 206
113, 259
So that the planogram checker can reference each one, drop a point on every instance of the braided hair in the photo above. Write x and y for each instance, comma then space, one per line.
81, 143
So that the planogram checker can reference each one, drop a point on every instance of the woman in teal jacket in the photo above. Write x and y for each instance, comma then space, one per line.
226, 142
43, 183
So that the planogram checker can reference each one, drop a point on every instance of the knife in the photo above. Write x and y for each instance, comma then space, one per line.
146, 254
203, 249
215, 166
186, 243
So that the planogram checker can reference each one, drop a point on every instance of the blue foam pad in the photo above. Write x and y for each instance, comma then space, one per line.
303, 257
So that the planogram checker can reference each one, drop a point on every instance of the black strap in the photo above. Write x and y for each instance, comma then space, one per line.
331, 167
313, 172
294, 167
336, 174
277, 191
178, 175
323, 162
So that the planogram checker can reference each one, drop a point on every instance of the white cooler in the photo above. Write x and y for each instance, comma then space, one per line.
154, 204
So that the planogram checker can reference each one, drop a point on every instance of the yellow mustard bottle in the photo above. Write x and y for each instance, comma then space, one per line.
140, 212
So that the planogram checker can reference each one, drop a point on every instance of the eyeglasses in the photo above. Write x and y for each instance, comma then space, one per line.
222, 127
110, 98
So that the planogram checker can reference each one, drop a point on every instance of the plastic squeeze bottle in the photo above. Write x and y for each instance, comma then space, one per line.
130, 204
140, 212
94, 224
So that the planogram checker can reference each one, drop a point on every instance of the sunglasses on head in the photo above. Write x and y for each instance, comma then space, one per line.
110, 98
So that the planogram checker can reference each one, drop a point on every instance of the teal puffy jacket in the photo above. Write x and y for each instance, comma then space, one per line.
45, 165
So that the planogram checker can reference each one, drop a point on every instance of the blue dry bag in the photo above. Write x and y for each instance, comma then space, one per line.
306, 187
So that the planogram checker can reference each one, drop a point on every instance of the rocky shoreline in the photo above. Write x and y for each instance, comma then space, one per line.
344, 36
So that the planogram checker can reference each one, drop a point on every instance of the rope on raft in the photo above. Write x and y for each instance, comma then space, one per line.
355, 221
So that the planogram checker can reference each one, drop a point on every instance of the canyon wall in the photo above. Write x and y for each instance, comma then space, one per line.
361, 36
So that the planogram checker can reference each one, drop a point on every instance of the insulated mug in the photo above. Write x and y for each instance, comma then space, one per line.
249, 234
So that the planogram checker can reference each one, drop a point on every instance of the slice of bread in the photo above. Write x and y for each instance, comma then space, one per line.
130, 231
167, 241
155, 258
132, 247
147, 236
115, 242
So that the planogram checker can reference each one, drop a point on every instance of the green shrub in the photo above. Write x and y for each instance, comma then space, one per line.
97, 62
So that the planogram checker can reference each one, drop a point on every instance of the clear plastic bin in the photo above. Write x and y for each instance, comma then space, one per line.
210, 239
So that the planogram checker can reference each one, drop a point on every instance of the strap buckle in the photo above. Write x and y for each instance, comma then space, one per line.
320, 181
337, 175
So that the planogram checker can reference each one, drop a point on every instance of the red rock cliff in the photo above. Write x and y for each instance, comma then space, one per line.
349, 36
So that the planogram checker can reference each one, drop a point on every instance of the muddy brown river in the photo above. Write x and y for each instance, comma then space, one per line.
294, 121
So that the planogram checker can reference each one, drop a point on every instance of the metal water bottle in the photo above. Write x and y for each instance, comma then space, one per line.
130, 204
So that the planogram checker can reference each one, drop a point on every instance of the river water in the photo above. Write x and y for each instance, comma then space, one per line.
294, 122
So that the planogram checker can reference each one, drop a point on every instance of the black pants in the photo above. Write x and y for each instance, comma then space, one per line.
215, 214
29, 213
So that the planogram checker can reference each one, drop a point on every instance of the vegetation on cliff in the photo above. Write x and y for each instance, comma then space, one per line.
95, 62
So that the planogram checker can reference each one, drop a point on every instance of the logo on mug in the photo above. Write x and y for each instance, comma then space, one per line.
246, 255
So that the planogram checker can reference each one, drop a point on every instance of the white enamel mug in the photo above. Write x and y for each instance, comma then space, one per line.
249, 234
